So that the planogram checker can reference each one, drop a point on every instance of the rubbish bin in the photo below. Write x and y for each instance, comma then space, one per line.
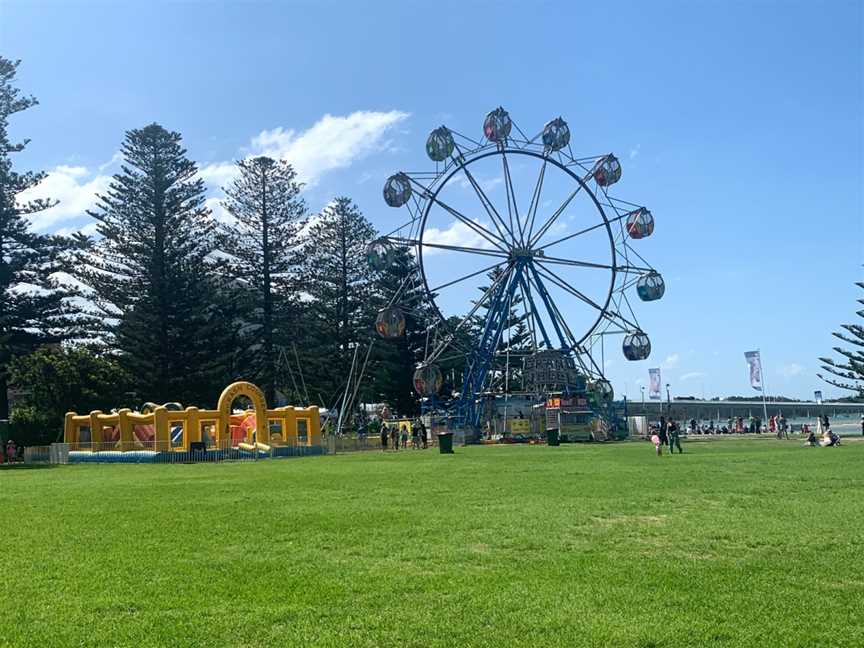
445, 442
552, 438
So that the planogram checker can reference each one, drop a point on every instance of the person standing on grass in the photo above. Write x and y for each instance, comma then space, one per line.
425, 441
658, 446
403, 433
394, 437
384, 433
862, 425
662, 432
674, 438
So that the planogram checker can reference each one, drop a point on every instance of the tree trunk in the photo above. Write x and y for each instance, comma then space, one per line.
4, 396
269, 360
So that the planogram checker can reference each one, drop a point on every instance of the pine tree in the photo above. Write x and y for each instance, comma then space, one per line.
151, 274
268, 214
35, 307
338, 288
848, 373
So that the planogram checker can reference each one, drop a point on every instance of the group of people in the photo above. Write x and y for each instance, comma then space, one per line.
10, 454
667, 433
829, 437
396, 434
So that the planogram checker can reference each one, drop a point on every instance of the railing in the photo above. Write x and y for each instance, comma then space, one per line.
342, 444
37, 454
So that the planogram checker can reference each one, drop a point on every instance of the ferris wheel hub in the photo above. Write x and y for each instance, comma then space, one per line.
522, 253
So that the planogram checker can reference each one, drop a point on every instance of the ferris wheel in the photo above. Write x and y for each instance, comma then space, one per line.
536, 227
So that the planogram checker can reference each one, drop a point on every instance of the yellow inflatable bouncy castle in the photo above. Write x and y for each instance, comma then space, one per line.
160, 429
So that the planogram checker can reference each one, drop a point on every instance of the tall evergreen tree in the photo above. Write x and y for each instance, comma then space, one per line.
848, 372
338, 288
150, 273
261, 243
34, 307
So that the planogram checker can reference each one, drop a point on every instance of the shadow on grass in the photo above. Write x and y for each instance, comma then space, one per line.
23, 466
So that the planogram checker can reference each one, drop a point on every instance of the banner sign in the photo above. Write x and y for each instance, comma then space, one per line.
755, 364
654, 384
818, 396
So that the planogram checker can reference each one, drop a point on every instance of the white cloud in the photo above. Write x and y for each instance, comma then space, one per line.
790, 370
671, 361
634, 152
333, 142
458, 234
218, 174
692, 375
117, 157
75, 188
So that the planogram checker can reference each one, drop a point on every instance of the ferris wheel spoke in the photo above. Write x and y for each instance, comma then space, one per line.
497, 241
487, 204
468, 276
531, 215
546, 298
532, 328
555, 314
627, 269
578, 264
413, 242
448, 339
512, 208
551, 220
482, 231
564, 325
538, 323
581, 232
614, 318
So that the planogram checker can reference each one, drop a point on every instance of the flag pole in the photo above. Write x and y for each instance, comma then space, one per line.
764, 388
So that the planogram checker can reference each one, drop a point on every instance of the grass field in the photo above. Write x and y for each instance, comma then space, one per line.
735, 543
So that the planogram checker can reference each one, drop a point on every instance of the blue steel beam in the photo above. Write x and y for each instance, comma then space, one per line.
544, 295
479, 365
539, 322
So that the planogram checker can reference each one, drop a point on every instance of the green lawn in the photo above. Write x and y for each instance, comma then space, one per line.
735, 543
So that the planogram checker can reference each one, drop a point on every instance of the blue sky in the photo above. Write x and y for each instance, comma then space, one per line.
739, 125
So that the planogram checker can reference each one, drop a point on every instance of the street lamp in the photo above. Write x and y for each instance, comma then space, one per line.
668, 402
643, 398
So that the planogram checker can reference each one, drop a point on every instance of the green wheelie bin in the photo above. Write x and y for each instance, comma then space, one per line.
445, 442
